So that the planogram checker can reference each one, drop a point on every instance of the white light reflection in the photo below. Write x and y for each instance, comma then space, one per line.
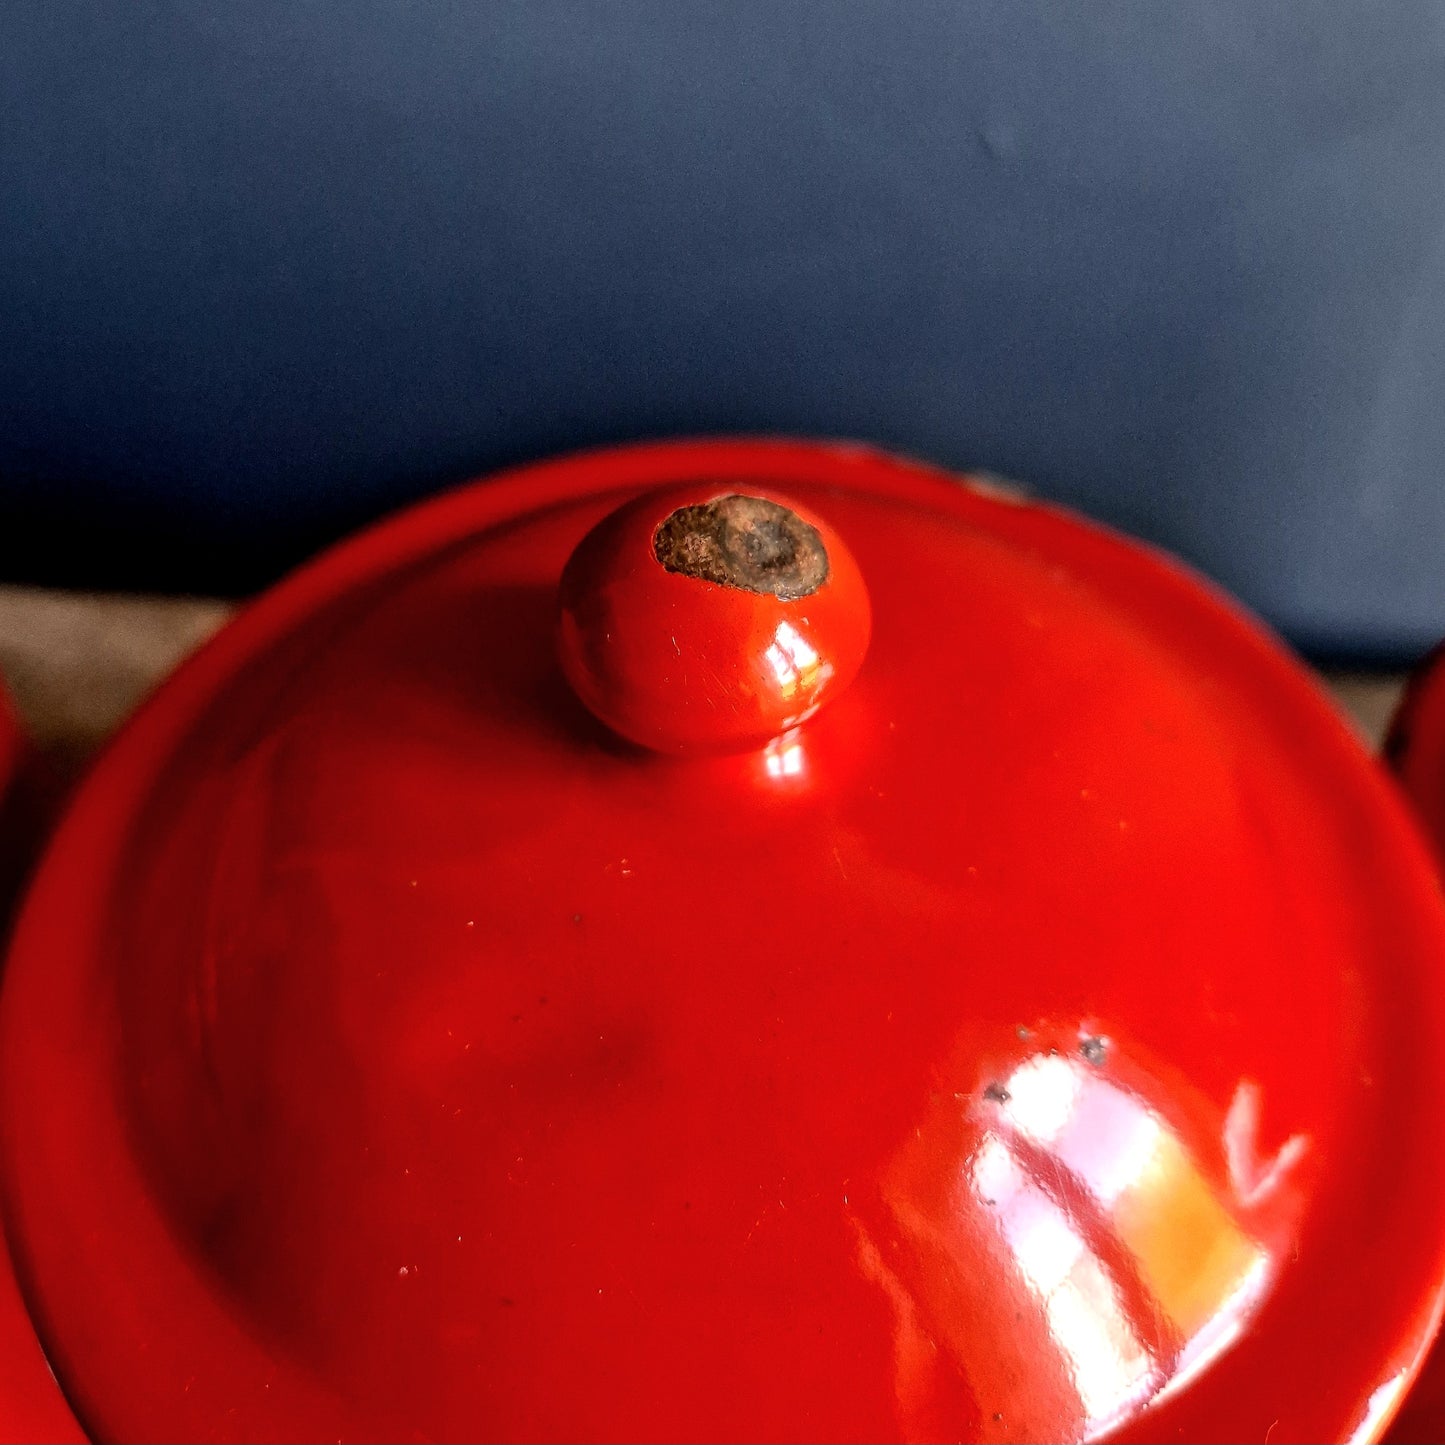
1046, 1246
1109, 1365
1135, 1138
783, 758
1381, 1408
794, 661
1255, 1177
1058, 1244
1201, 1273
1042, 1096
1111, 1368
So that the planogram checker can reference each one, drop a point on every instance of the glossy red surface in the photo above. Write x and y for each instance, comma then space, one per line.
1043, 1042
688, 666
1415, 748
31, 1405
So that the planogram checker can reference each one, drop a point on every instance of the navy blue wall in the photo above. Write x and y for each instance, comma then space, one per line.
267, 270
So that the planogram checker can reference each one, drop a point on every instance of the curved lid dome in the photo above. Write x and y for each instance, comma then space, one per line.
1040, 1041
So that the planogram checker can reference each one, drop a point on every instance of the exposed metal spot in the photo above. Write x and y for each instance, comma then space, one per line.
745, 542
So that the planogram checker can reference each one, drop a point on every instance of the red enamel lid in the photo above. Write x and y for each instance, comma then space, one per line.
1037, 1038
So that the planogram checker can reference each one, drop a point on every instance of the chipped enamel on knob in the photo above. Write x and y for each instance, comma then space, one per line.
702, 619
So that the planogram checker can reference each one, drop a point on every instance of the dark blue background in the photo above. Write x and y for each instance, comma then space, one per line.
267, 270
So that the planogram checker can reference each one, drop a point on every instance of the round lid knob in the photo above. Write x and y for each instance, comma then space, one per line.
698, 619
